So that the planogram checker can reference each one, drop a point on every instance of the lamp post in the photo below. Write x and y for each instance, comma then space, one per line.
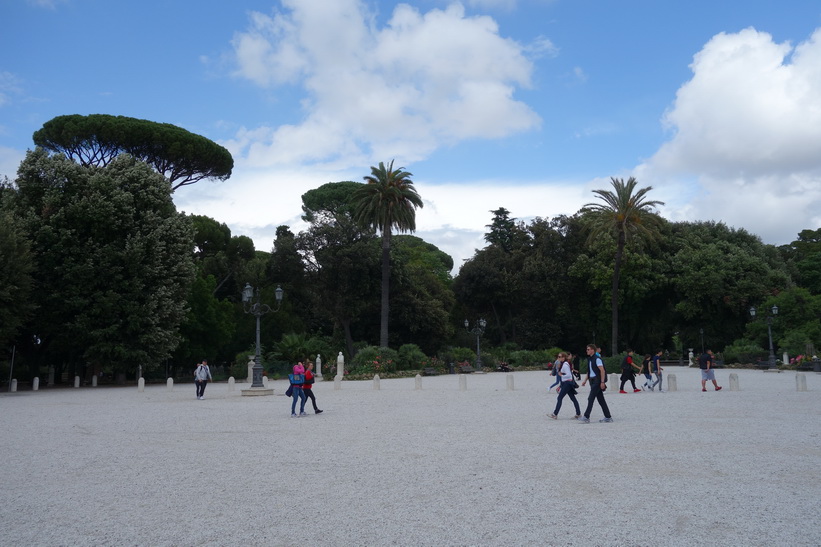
252, 303
701, 333
773, 313
478, 330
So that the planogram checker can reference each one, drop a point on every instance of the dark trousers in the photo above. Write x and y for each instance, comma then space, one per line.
310, 393
625, 377
596, 394
201, 387
570, 391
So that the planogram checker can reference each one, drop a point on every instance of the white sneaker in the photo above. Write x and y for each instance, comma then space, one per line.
301, 414
294, 416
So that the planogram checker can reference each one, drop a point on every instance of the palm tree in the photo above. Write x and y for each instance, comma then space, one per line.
387, 201
626, 212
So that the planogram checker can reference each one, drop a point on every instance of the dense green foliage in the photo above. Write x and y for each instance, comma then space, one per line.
96, 140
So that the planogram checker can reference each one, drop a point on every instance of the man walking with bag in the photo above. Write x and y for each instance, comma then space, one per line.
598, 379
201, 376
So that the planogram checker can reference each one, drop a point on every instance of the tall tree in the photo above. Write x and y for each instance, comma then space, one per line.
624, 213
113, 260
388, 201
182, 157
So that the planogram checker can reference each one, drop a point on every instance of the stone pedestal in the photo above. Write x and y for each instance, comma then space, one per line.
672, 384
463, 382
318, 375
35, 384
418, 382
169, 384
140, 385
257, 391
801, 382
231, 383
734, 382
376, 382
509, 379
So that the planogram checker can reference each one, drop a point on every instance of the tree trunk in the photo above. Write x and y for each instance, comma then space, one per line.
614, 295
386, 281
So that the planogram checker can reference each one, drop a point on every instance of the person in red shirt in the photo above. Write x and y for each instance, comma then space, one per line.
307, 387
628, 372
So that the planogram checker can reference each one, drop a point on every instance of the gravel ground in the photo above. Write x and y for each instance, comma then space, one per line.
400, 466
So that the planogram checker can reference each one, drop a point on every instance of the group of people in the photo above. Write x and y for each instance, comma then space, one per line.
650, 365
596, 375
301, 388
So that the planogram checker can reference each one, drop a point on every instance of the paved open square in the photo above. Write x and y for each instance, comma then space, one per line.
401, 466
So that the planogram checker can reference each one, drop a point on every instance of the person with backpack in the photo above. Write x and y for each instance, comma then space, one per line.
201, 376
645, 369
307, 387
297, 379
554, 371
628, 374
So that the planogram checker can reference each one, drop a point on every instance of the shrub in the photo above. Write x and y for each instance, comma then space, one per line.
239, 368
410, 357
743, 351
374, 360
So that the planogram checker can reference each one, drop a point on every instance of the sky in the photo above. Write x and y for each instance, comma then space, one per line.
528, 105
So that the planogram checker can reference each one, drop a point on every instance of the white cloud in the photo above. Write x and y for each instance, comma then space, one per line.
747, 132
421, 82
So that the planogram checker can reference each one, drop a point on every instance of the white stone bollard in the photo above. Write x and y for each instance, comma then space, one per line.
671, 383
231, 383
509, 382
94, 381
463, 382
169, 384
418, 382
141, 385
318, 375
785, 358
13, 386
734, 382
76, 381
35, 384
265, 381
376, 382
801, 382
251, 362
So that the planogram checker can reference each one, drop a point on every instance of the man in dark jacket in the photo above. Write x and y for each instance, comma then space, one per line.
598, 379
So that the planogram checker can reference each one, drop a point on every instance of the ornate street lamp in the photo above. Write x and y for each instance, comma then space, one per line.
701, 332
251, 303
773, 313
478, 330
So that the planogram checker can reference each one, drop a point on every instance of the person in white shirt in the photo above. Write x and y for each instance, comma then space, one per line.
201, 376
568, 388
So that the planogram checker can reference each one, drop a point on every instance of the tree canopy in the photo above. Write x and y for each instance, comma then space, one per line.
182, 157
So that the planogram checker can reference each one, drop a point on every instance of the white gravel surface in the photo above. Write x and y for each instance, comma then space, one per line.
399, 466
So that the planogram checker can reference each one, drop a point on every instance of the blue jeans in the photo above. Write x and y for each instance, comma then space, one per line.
298, 393
567, 389
658, 381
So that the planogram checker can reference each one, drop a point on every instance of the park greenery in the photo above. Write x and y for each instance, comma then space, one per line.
100, 274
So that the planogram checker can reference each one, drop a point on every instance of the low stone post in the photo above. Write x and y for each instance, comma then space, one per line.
251, 362
13, 386
318, 374
418, 382
509, 381
231, 383
340, 366
141, 385
35, 384
337, 383
170, 384
94, 381
376, 382
672, 385
734, 382
265, 381
801, 382
463, 382
76, 381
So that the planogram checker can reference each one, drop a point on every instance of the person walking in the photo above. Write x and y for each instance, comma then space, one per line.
645, 369
705, 363
297, 379
598, 383
201, 376
628, 372
568, 388
307, 387
557, 364
655, 368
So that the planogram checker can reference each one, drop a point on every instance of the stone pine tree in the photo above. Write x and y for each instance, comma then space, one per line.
182, 157
387, 202
623, 213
